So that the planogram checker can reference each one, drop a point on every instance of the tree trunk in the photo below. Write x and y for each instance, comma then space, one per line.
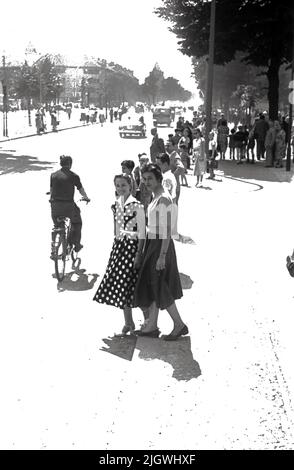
273, 87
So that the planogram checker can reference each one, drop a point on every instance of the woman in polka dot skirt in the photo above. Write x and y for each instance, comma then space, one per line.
118, 283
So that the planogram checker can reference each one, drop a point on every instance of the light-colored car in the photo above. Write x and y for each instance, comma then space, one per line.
132, 130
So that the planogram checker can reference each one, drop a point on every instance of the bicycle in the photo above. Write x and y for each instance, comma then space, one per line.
62, 248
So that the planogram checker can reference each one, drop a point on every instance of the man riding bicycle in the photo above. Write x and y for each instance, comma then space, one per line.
62, 187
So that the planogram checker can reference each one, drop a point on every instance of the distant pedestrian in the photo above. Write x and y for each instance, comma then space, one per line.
54, 121
199, 157
260, 130
157, 145
232, 145
176, 165
111, 114
280, 144
118, 283
222, 138
115, 114
270, 140
250, 146
240, 144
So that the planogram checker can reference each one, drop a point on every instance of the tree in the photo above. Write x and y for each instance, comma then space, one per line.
172, 90
261, 29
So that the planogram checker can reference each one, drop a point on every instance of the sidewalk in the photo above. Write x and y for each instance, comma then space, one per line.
18, 124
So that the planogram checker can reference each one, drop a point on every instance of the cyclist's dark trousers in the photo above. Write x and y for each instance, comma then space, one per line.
71, 210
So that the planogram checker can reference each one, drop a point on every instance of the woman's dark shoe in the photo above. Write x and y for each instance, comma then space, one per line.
150, 334
173, 337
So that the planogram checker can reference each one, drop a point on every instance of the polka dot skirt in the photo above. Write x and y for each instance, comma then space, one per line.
118, 283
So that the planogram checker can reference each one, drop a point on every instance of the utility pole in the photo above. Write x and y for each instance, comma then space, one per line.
209, 83
5, 99
291, 85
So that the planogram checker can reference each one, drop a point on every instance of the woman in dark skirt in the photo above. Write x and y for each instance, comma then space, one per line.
159, 284
118, 283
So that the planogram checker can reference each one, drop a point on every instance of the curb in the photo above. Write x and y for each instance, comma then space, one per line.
49, 132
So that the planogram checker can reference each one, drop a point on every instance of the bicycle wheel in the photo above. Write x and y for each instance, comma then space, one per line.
60, 256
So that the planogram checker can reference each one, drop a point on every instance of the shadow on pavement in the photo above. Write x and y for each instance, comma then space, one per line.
77, 280
21, 163
247, 171
122, 347
176, 353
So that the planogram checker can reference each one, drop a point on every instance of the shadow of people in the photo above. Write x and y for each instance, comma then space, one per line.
256, 172
208, 188
21, 163
176, 353
77, 280
186, 281
120, 346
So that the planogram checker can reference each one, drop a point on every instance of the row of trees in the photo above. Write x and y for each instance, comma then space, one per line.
49, 79
253, 42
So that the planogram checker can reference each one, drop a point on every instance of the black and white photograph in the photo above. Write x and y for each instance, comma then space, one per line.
147, 241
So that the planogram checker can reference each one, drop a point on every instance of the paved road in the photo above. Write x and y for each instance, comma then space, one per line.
68, 384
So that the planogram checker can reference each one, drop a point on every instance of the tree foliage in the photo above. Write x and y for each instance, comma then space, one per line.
261, 29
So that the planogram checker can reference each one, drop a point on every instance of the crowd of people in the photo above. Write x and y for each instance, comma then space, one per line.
264, 139
142, 268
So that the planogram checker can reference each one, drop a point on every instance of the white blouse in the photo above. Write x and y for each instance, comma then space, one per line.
162, 216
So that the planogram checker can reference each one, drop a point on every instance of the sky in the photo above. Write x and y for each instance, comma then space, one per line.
124, 31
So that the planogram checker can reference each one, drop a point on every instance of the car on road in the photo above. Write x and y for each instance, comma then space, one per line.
132, 130
161, 116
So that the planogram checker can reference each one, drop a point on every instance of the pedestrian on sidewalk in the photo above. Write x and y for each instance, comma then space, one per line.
54, 121
39, 123
222, 138
143, 194
111, 114
118, 283
159, 284
250, 146
260, 130
240, 143
232, 145
199, 157
280, 144
176, 165
157, 145
212, 154
169, 182
269, 143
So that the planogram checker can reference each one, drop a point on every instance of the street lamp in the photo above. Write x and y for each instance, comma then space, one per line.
209, 83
